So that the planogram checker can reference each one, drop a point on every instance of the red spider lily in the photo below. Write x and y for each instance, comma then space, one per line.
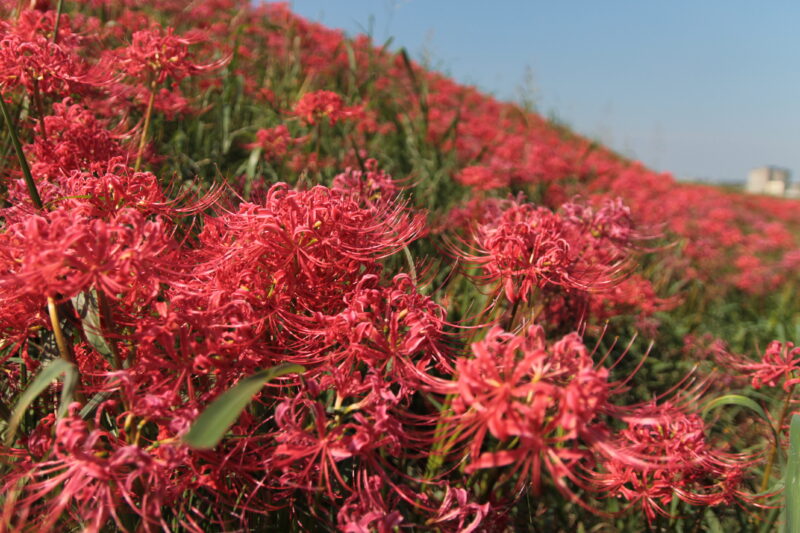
74, 30
40, 440
367, 510
779, 365
612, 222
394, 331
76, 140
196, 304
275, 142
301, 250
680, 462
481, 178
524, 248
527, 247
318, 106
156, 54
106, 189
634, 295
112, 188
92, 476
169, 101
474, 212
62, 254
21, 316
310, 457
606, 236
456, 510
549, 398
43, 67
371, 187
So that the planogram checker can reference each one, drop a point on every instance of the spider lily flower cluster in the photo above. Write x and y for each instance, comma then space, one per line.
526, 247
449, 323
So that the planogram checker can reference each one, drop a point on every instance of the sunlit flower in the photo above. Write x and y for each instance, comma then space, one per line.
320, 106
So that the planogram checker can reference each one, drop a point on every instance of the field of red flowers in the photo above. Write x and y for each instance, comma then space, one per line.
258, 276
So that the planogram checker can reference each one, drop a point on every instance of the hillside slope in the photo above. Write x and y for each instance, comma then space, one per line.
256, 275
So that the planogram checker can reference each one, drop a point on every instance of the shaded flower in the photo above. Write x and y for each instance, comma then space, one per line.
778, 366
275, 142
481, 178
679, 462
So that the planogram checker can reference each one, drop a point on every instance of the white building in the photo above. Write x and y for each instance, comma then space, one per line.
793, 191
768, 180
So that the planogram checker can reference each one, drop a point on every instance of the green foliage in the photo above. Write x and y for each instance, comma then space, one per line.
736, 399
49, 372
792, 479
212, 424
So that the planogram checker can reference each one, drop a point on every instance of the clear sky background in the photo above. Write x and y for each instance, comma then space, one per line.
705, 89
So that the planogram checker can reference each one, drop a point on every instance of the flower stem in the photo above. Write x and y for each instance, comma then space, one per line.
512, 317
147, 115
773, 452
61, 341
59, 7
23, 163
64, 349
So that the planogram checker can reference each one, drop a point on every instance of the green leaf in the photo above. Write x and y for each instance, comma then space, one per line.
250, 170
94, 402
792, 489
219, 416
67, 391
85, 304
736, 399
47, 375
741, 401
351, 57
713, 525
387, 44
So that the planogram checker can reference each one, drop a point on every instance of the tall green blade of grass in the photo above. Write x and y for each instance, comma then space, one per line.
792, 490
49, 372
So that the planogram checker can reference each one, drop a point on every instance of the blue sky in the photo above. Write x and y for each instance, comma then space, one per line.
704, 89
